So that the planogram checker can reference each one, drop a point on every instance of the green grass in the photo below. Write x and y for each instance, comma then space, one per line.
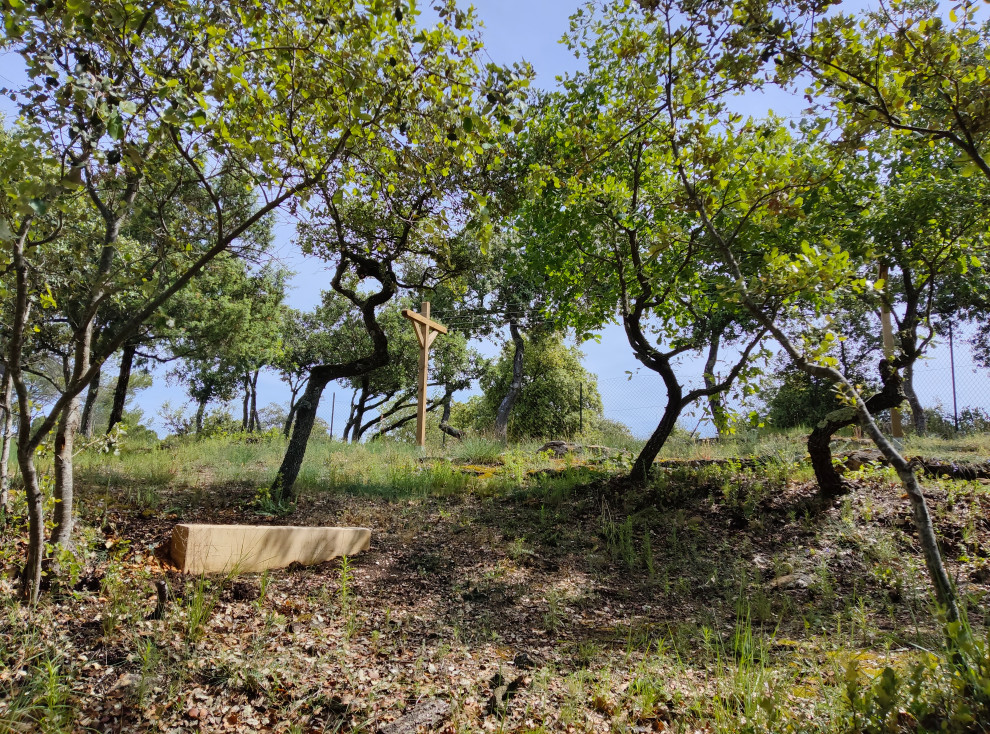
652, 604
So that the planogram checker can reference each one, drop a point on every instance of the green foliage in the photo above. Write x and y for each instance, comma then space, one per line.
972, 422
550, 402
793, 398
44, 703
385, 399
202, 597
611, 433
948, 692
907, 68
226, 325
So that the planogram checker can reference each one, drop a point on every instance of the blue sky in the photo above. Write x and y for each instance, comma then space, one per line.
530, 30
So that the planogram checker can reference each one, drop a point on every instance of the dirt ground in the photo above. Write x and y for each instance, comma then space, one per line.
570, 604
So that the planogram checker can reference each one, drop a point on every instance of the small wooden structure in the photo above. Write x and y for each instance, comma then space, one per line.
426, 331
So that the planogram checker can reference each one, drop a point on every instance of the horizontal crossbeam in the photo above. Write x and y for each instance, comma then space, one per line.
413, 316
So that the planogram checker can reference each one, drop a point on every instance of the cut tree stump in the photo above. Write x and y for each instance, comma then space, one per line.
246, 548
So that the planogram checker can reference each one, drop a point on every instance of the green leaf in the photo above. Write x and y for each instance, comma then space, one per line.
73, 179
115, 126
38, 206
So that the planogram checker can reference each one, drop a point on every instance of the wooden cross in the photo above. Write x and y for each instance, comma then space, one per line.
426, 331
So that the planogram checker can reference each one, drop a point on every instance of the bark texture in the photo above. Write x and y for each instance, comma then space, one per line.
6, 390
445, 426
64, 487
89, 407
288, 472
123, 382
830, 481
515, 386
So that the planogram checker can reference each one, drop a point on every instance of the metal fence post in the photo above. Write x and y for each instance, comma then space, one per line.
333, 409
952, 371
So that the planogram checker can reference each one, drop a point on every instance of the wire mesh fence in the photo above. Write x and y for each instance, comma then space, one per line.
954, 387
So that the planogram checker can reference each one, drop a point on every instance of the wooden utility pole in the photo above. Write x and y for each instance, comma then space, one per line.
426, 331
887, 331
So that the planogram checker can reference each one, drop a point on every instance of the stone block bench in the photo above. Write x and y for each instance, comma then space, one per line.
247, 548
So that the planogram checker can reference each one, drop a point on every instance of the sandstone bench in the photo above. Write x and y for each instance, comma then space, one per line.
246, 548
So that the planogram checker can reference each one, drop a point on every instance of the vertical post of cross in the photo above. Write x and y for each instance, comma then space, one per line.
426, 331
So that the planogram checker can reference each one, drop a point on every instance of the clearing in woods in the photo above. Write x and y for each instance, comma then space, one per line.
504, 590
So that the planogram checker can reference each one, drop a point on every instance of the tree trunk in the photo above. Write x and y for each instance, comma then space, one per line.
292, 412
7, 439
86, 423
123, 381
255, 420
358, 409
715, 405
644, 462
944, 593
515, 387
918, 416
281, 489
321, 375
31, 578
246, 402
445, 417
830, 482
64, 443
200, 412
346, 434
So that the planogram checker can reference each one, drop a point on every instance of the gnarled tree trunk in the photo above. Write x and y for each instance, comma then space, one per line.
830, 482
445, 426
515, 386
296, 450
321, 375
677, 400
